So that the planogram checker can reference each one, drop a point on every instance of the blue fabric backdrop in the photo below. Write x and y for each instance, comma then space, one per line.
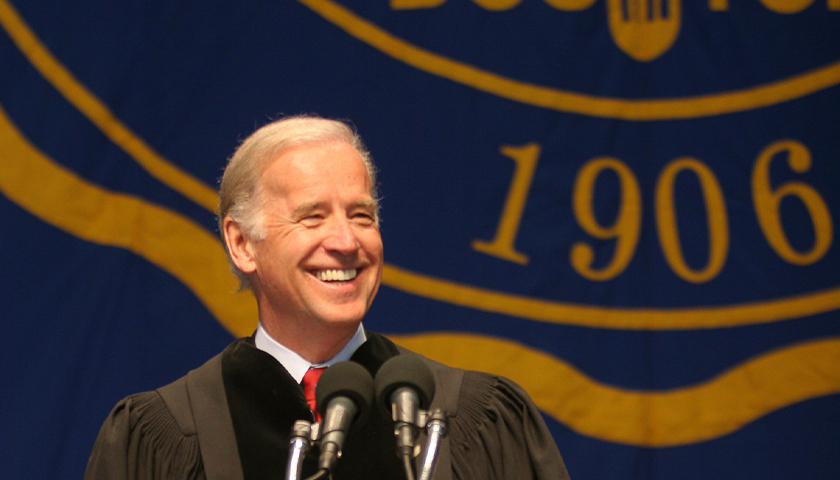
629, 207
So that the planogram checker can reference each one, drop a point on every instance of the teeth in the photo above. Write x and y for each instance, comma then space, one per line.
336, 275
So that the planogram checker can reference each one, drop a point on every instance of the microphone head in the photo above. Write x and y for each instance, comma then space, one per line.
346, 379
407, 370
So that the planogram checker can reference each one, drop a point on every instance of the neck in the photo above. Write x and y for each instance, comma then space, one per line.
312, 342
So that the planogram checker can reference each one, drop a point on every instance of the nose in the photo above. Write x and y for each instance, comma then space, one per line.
341, 238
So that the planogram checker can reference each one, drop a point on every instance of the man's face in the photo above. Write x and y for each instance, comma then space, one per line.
321, 258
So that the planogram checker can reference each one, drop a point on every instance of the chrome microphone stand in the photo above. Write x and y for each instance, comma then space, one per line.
303, 434
435, 431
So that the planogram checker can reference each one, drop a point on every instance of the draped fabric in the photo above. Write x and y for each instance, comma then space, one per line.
158, 447
497, 432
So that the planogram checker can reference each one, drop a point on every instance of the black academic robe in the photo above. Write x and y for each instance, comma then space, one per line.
232, 417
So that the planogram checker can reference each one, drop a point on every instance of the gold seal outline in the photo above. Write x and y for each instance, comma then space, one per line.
395, 277
656, 418
679, 416
763, 95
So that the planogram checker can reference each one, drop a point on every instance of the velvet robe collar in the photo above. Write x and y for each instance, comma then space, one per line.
265, 401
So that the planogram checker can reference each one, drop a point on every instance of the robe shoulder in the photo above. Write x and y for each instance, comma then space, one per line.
141, 440
499, 433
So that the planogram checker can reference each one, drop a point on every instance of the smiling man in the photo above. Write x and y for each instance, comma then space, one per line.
315, 260
299, 216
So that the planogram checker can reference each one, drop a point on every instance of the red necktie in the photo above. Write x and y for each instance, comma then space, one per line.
310, 379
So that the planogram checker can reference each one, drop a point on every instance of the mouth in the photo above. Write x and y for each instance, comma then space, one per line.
335, 275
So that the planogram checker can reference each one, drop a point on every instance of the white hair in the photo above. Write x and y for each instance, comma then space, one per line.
239, 193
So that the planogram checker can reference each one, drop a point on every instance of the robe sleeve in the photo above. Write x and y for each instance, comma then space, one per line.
498, 433
140, 440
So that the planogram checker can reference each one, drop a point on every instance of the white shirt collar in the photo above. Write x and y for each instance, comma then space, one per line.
294, 363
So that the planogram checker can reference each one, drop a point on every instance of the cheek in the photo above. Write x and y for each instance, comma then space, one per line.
372, 246
273, 258
288, 246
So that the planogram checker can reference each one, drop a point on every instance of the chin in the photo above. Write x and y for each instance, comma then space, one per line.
342, 319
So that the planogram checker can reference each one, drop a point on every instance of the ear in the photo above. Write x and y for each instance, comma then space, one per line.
239, 246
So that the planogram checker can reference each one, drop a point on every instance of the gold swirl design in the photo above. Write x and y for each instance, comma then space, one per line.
396, 277
165, 238
99, 114
195, 257
679, 416
572, 102
612, 318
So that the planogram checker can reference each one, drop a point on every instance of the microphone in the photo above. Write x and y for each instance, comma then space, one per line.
404, 386
343, 396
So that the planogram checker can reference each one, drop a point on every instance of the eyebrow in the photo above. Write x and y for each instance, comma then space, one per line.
306, 208
309, 207
368, 203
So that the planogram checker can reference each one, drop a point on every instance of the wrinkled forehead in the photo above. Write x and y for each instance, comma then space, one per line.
332, 163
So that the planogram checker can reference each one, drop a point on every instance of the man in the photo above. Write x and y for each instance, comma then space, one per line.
299, 218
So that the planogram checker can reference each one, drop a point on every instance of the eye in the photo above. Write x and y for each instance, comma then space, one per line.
362, 218
311, 220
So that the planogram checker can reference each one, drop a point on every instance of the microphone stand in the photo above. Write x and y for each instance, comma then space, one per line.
298, 446
435, 431
435, 424
304, 434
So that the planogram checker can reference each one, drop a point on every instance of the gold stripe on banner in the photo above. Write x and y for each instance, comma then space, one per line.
613, 318
423, 285
99, 114
194, 256
763, 95
165, 238
679, 416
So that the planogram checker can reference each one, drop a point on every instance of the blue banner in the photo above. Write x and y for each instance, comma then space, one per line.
629, 207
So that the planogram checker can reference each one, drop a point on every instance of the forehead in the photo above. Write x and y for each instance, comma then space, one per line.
330, 164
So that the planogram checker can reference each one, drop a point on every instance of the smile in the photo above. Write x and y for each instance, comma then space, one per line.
335, 275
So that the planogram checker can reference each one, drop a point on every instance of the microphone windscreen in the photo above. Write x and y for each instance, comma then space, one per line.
346, 379
407, 370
